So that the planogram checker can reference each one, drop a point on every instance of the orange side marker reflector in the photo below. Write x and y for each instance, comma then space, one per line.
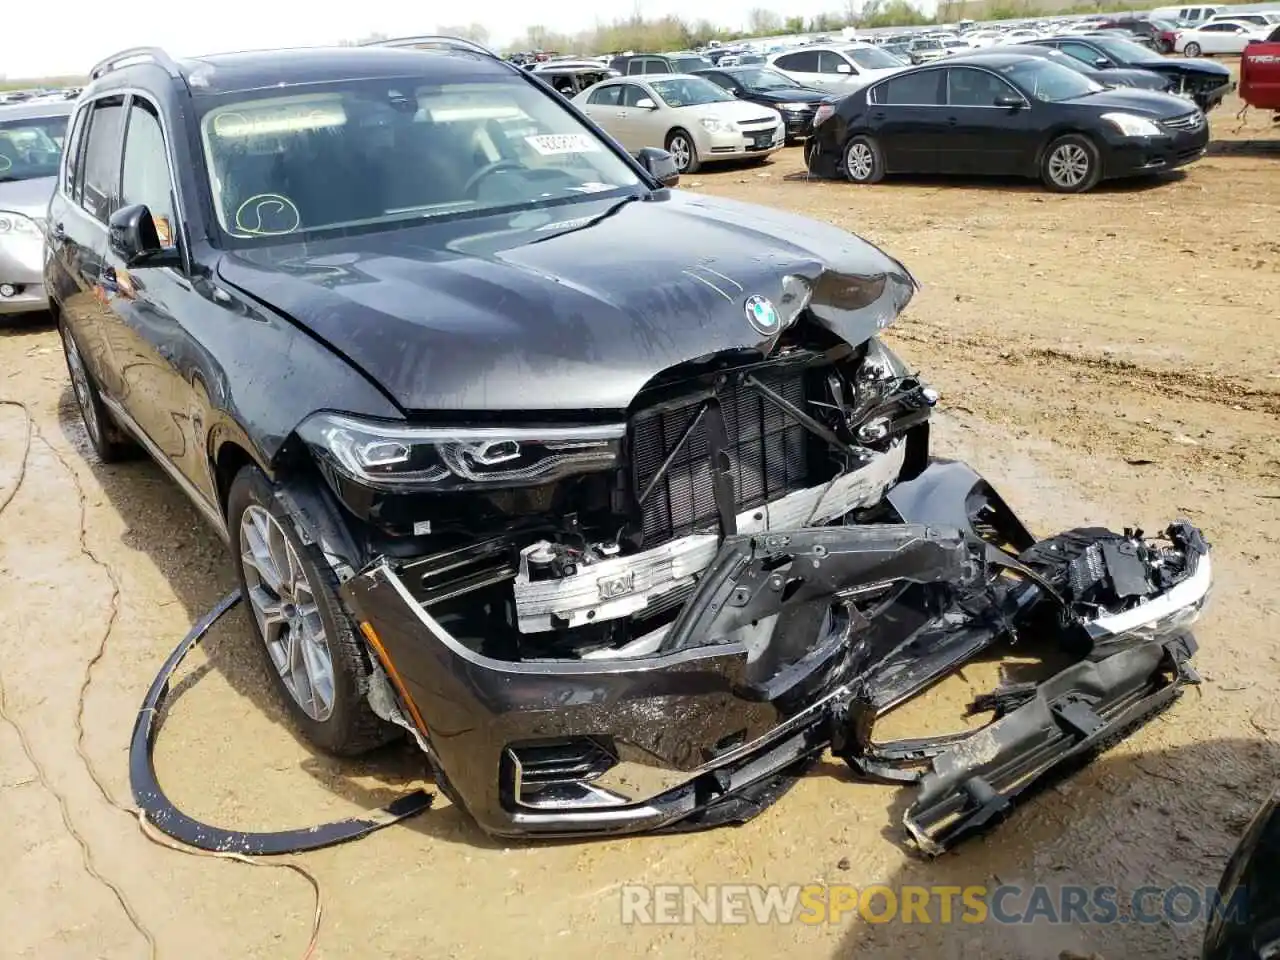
371, 635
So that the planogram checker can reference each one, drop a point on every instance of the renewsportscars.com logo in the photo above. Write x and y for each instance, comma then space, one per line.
741, 903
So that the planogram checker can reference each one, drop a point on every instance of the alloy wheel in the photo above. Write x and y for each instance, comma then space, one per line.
681, 151
1069, 165
287, 611
860, 161
83, 391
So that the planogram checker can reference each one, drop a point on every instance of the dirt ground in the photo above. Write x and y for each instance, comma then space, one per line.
1110, 358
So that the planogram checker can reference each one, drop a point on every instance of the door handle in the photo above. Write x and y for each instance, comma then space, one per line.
877, 116
107, 279
57, 232
952, 121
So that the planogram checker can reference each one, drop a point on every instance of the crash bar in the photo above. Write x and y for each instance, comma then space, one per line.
453, 43
153, 54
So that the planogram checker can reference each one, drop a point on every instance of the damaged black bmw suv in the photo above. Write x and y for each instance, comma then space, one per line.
607, 493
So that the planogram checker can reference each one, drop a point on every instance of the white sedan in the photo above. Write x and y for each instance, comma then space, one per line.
691, 117
1221, 36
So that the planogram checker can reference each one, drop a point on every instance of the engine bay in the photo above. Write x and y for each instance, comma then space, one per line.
802, 439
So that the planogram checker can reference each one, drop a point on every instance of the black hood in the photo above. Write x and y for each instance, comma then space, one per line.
1140, 79
790, 95
565, 308
1147, 103
1178, 66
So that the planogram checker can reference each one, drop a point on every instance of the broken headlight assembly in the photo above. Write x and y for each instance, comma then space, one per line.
402, 458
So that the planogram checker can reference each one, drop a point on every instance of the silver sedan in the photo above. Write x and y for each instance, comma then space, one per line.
691, 117
31, 137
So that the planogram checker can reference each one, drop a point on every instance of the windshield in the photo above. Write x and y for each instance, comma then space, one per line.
926, 45
765, 80
1126, 51
690, 64
359, 153
873, 58
689, 91
1163, 24
31, 148
1044, 80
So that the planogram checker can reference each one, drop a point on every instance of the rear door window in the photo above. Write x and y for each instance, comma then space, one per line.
71, 154
922, 89
803, 62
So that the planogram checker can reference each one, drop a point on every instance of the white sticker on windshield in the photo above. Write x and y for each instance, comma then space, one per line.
551, 144
592, 187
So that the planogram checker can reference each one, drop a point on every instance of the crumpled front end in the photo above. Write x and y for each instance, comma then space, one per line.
793, 642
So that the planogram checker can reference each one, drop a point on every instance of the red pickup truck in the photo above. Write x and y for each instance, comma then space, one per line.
1260, 73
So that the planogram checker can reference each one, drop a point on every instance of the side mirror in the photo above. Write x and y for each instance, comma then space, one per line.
132, 236
843, 68
646, 103
660, 164
1010, 100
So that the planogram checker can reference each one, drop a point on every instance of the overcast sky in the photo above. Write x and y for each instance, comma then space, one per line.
68, 37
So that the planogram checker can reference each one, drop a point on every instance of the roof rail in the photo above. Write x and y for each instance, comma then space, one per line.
430, 40
117, 60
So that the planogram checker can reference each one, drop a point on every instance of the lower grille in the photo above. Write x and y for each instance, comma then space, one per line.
767, 448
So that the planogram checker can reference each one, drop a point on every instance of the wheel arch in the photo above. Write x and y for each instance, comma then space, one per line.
302, 492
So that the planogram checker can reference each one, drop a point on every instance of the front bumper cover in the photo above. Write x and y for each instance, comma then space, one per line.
794, 642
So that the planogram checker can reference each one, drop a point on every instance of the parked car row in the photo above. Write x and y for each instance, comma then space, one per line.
1070, 110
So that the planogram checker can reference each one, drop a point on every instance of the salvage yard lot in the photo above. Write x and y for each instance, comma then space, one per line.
1109, 358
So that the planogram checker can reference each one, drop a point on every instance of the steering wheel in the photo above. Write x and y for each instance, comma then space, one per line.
506, 163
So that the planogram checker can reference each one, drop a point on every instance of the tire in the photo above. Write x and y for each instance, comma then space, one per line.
861, 160
109, 442
334, 716
1191, 50
1071, 164
682, 149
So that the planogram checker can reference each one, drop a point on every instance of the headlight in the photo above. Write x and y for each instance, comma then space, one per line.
790, 107
397, 457
15, 224
1132, 126
824, 111
716, 125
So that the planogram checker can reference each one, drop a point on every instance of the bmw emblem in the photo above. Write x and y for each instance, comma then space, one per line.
763, 316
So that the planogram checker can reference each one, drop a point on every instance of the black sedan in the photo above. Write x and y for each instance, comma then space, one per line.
1205, 83
1112, 77
766, 86
1004, 113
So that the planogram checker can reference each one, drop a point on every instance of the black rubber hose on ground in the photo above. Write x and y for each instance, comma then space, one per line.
168, 819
